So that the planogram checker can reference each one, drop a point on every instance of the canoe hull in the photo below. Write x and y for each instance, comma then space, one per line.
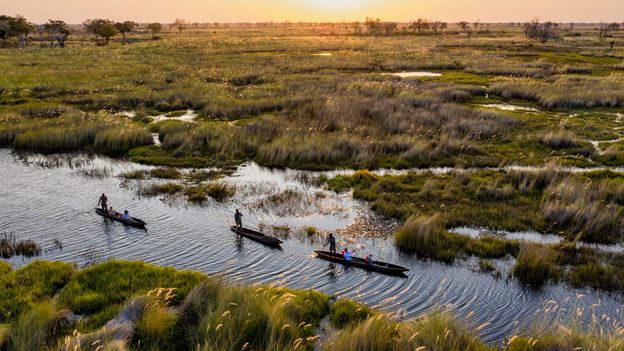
135, 222
379, 267
257, 236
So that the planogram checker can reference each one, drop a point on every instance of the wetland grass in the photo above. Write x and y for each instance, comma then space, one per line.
167, 309
536, 264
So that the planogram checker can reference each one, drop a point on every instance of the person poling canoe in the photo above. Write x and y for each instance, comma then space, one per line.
238, 218
331, 241
103, 201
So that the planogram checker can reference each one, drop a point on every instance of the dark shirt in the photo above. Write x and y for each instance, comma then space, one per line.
331, 241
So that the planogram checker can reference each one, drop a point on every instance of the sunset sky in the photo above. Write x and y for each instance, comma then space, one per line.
74, 11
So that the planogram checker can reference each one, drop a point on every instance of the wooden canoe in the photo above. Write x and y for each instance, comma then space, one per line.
133, 222
376, 266
257, 236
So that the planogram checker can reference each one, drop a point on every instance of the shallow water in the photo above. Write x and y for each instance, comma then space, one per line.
509, 107
47, 198
188, 116
415, 74
529, 236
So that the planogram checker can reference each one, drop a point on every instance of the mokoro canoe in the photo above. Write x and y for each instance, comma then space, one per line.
377, 266
133, 222
257, 236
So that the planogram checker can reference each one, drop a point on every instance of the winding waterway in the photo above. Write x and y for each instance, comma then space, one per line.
45, 198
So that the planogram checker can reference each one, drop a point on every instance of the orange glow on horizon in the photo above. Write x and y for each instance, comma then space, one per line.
75, 11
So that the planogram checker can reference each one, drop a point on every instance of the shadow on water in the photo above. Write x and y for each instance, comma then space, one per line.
198, 237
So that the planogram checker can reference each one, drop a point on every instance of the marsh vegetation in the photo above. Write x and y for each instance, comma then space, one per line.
325, 97
125, 305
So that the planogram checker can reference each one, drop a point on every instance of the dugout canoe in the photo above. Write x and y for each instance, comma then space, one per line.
257, 236
132, 222
376, 266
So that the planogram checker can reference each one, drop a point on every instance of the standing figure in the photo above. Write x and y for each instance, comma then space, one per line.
103, 200
238, 217
332, 243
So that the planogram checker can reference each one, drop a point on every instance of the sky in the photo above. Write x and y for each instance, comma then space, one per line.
75, 11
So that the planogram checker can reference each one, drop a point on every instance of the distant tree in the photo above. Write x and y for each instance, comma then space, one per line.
389, 28
614, 27
547, 32
419, 25
531, 28
438, 26
476, 25
56, 30
540, 31
155, 28
463, 25
181, 24
17, 27
357, 28
373, 26
101, 28
125, 27
604, 29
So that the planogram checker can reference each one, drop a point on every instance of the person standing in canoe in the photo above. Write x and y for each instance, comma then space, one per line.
332, 243
103, 200
238, 217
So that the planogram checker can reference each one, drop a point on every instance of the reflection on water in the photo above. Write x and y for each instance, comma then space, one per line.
415, 74
49, 199
530, 236
535, 237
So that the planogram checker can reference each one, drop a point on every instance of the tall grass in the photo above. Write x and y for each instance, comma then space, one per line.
217, 316
5, 331
100, 291
220, 190
590, 211
156, 327
23, 288
566, 92
428, 238
346, 313
560, 140
261, 318
561, 333
120, 140
536, 264
437, 331
39, 328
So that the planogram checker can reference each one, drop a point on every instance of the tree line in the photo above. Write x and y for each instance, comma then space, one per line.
56, 31
17, 29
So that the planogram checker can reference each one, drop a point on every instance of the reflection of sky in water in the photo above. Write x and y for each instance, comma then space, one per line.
56, 202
